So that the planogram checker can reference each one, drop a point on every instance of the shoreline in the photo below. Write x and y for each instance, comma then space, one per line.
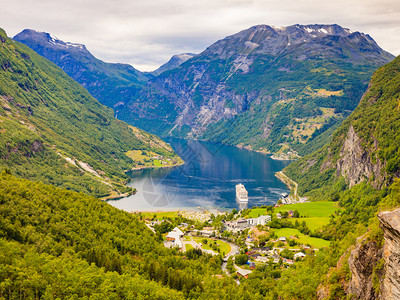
156, 167
119, 196
273, 156
288, 182
112, 197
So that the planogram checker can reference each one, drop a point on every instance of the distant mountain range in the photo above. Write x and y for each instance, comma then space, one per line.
280, 90
53, 131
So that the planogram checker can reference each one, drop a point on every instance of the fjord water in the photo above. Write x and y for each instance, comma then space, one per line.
207, 179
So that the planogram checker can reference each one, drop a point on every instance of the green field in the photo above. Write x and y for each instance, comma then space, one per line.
311, 209
256, 212
305, 239
225, 247
188, 247
160, 214
313, 223
316, 213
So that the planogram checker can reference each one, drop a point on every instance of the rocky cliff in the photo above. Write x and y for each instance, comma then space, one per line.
363, 262
390, 223
373, 264
355, 162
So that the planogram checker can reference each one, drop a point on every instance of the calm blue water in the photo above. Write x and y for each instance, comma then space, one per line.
207, 179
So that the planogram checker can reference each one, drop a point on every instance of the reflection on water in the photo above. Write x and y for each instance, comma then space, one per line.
207, 179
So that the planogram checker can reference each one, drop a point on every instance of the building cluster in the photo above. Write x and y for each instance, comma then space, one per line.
265, 254
196, 215
241, 224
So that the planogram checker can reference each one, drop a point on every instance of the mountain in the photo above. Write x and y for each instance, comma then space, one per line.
111, 84
271, 89
366, 147
360, 168
173, 63
53, 131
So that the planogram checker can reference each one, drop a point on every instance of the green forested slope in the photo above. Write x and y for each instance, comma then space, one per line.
373, 149
56, 243
52, 130
61, 244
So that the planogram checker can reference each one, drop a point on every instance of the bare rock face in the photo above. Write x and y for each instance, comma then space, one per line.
390, 223
362, 261
355, 162
375, 269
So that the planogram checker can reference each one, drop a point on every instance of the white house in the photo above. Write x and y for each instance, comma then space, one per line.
261, 220
299, 255
174, 237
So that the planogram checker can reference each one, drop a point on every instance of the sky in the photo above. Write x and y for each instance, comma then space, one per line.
146, 33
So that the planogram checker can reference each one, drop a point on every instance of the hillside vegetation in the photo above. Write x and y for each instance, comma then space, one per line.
365, 148
52, 130
62, 244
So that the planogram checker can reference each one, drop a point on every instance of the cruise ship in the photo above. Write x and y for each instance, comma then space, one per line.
242, 198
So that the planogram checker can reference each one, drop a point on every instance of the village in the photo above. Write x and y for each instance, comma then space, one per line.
243, 240
277, 235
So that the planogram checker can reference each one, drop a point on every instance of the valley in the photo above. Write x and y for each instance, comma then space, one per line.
304, 116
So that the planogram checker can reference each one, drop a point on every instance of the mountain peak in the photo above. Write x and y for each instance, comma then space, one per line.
173, 63
45, 38
110, 83
272, 40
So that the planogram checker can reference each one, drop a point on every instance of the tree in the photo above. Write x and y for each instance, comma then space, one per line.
241, 259
164, 227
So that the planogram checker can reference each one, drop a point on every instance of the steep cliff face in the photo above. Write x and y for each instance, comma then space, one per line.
374, 264
390, 223
355, 162
363, 262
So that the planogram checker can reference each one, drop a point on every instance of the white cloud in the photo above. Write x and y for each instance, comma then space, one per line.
146, 33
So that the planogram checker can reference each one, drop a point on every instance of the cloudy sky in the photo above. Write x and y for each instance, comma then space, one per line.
146, 33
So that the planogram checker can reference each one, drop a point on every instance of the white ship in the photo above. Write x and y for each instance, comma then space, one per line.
242, 198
